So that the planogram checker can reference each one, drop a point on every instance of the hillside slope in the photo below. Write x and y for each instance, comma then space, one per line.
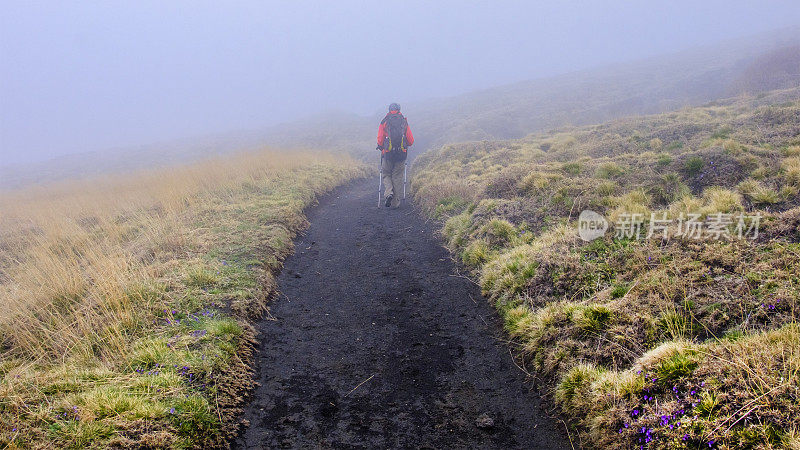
650, 86
662, 337
658, 84
654, 85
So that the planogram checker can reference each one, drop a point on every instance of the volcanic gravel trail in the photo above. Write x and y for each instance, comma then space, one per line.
376, 342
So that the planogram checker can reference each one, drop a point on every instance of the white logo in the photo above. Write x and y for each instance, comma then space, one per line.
591, 225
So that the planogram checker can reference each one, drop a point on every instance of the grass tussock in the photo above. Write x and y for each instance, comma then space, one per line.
653, 342
126, 300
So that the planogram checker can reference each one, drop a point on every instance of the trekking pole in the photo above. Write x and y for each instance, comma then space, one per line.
405, 166
380, 180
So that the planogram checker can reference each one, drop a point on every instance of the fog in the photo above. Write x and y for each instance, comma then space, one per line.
83, 76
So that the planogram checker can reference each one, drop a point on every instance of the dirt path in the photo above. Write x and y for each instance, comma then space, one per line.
377, 344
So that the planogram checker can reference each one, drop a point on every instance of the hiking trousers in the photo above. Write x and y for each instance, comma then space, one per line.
392, 172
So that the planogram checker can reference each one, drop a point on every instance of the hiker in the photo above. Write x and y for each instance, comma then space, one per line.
394, 138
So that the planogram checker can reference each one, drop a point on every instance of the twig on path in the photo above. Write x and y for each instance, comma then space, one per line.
568, 434
359, 384
458, 275
513, 360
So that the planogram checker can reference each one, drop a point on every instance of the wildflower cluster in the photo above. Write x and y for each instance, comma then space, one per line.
155, 370
660, 411
772, 306
69, 414
174, 318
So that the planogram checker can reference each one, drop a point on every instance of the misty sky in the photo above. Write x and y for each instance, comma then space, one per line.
79, 76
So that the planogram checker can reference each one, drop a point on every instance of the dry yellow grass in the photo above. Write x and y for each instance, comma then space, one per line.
74, 249
90, 270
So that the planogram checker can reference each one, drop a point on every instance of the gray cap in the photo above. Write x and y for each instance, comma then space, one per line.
394, 107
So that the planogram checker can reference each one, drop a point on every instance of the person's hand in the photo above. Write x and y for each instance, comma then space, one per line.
379, 148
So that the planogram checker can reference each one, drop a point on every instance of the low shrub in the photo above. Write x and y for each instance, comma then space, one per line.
791, 170
664, 159
537, 180
720, 200
456, 229
656, 144
476, 253
609, 170
592, 318
449, 205
571, 168
758, 193
693, 165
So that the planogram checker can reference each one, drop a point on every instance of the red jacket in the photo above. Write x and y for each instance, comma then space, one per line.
383, 133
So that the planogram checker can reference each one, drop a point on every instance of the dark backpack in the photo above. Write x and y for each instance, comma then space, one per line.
396, 126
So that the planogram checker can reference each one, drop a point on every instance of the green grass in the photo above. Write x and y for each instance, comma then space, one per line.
449, 205
593, 318
676, 367
609, 170
619, 290
576, 382
693, 165
572, 168
722, 133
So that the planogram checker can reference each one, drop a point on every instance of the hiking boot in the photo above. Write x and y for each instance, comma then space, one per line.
389, 200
